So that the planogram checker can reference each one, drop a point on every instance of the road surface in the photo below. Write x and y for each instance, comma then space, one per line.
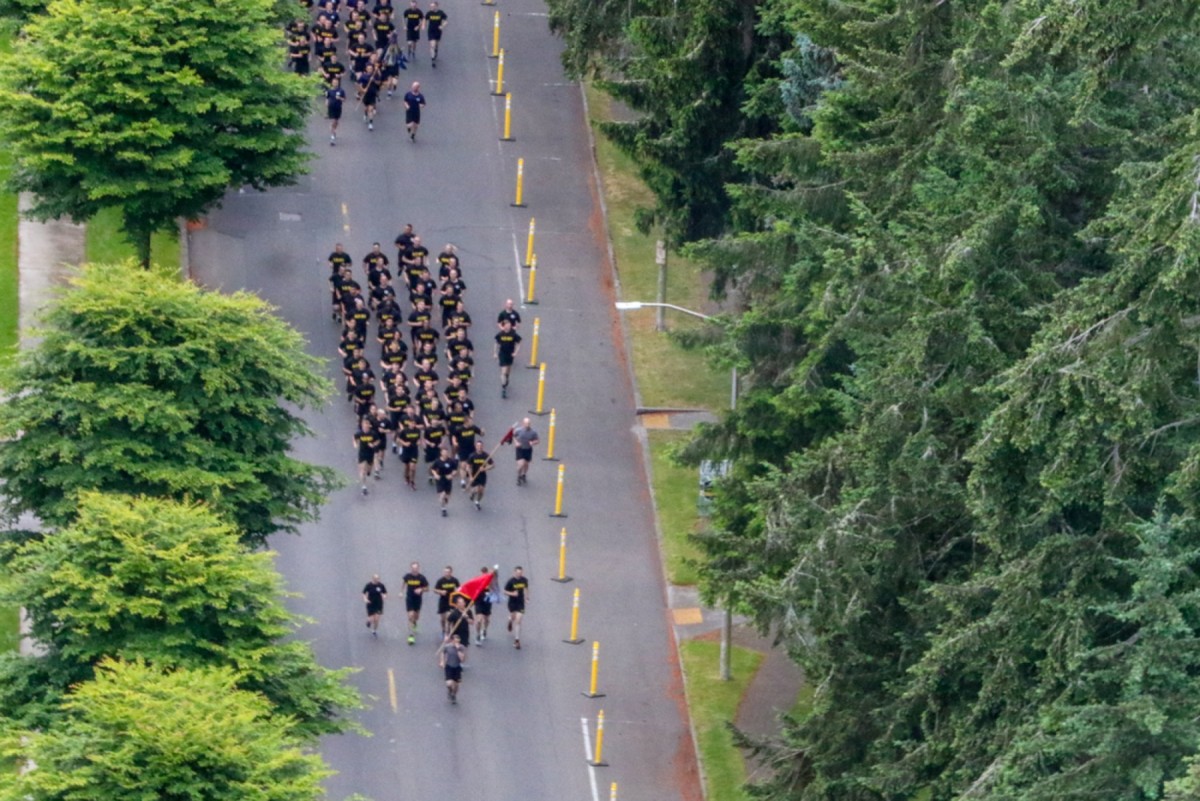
522, 727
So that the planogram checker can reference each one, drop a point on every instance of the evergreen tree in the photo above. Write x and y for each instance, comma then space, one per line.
146, 384
140, 732
167, 583
157, 108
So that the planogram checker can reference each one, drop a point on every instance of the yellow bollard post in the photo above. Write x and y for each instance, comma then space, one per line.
495, 36
541, 392
591, 693
574, 638
558, 494
598, 761
530, 300
612, 793
488, 3
508, 137
519, 203
533, 348
529, 243
550, 457
562, 577
499, 91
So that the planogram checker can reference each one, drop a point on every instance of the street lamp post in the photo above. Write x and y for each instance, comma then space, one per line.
727, 620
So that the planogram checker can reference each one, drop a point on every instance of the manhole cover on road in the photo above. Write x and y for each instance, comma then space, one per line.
288, 216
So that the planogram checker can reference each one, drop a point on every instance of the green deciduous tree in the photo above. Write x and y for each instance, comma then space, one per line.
147, 384
156, 108
136, 731
164, 582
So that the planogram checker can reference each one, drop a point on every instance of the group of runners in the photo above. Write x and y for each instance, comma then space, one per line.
424, 409
464, 611
363, 46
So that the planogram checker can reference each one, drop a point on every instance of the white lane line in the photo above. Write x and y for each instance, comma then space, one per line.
587, 755
517, 262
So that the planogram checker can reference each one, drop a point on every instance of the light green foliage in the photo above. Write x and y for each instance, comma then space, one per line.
136, 731
164, 582
154, 107
147, 384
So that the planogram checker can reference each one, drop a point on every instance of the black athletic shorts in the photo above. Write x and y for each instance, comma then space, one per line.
453, 673
366, 455
483, 607
445, 484
524, 454
506, 359
413, 35
412, 603
412, 115
375, 609
409, 454
335, 113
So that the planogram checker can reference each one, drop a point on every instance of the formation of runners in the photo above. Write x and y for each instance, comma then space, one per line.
363, 46
417, 398
406, 344
464, 611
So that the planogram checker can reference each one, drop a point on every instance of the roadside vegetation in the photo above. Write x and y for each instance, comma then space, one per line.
961, 293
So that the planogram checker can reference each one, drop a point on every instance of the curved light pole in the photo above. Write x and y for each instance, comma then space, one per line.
727, 621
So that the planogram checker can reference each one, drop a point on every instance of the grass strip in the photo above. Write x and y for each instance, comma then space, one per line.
105, 243
667, 375
713, 704
676, 490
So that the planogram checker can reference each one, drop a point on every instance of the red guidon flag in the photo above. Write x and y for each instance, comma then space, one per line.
473, 588
508, 437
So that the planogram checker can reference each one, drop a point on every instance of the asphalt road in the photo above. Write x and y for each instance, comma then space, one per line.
519, 729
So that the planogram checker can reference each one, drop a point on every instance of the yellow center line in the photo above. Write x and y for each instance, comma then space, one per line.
345, 218
392, 691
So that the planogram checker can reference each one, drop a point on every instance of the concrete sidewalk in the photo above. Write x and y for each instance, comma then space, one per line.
47, 254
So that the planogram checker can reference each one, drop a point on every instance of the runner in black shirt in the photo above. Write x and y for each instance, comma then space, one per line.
333, 70
465, 438
508, 342
446, 259
510, 313
370, 82
435, 23
414, 101
459, 621
418, 319
382, 423
435, 437
338, 260
443, 470
359, 316
415, 585
517, 590
445, 587
383, 28
422, 288
403, 242
408, 438
335, 95
298, 51
414, 18
415, 256
374, 594
478, 464
364, 443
